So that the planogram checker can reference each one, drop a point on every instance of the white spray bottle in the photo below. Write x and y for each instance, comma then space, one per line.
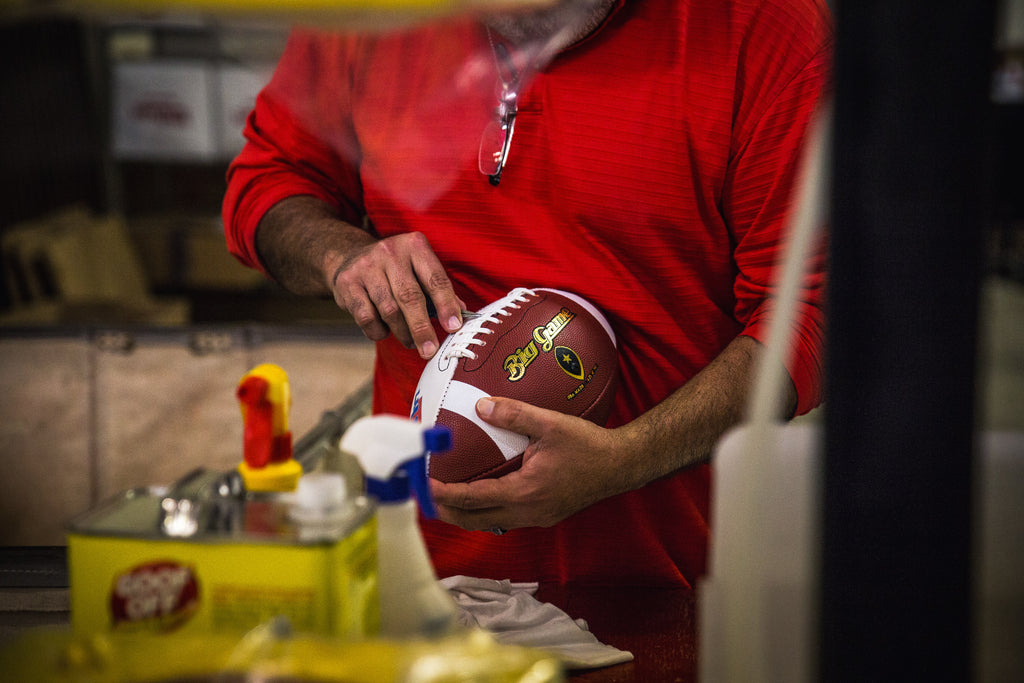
392, 451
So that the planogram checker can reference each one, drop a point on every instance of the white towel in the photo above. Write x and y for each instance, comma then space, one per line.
511, 613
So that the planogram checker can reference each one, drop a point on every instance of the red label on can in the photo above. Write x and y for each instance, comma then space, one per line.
160, 595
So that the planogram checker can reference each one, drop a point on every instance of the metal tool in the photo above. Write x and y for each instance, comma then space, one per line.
466, 315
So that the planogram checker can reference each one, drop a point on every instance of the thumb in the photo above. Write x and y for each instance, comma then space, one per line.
507, 413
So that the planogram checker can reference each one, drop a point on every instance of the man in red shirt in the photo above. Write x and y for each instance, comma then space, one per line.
655, 148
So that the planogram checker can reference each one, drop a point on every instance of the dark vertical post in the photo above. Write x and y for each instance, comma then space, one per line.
912, 83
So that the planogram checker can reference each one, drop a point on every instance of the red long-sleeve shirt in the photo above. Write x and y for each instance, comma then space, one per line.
651, 172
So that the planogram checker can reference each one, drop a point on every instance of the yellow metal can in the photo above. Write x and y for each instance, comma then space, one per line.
134, 570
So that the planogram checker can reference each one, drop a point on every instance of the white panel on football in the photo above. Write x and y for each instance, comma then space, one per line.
461, 398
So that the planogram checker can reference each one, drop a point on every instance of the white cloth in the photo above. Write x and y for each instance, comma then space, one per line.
511, 613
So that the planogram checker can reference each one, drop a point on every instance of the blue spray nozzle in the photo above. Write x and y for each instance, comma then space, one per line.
437, 439
417, 471
409, 478
393, 451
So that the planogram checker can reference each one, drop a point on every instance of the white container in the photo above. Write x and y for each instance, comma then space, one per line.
392, 451
759, 609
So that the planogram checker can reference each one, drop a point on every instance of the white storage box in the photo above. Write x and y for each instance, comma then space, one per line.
161, 111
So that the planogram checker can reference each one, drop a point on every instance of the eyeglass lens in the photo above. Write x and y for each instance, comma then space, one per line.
497, 135
494, 146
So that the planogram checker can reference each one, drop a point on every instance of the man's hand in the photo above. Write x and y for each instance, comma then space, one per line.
385, 285
570, 464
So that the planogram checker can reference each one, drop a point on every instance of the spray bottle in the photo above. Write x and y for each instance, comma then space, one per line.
265, 398
392, 451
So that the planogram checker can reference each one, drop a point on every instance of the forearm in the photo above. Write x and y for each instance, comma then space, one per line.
302, 242
384, 284
683, 430
571, 463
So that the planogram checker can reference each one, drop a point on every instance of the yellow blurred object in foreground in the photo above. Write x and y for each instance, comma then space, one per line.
265, 653
337, 14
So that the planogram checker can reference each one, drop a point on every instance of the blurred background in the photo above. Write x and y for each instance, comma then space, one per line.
125, 324
118, 131
122, 315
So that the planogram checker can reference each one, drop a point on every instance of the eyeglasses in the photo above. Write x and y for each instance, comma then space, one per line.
497, 136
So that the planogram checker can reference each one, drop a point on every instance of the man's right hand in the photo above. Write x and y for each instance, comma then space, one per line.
385, 285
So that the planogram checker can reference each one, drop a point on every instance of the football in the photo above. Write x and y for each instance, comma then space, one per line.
546, 347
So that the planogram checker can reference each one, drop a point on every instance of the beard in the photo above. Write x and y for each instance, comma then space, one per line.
564, 22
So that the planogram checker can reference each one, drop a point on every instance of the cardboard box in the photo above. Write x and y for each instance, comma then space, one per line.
162, 111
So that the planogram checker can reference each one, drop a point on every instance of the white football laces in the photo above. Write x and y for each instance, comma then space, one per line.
467, 336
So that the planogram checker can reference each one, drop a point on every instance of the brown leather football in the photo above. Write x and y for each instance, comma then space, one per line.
546, 347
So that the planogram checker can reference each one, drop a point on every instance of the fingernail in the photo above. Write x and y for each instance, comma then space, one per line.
454, 323
428, 350
485, 407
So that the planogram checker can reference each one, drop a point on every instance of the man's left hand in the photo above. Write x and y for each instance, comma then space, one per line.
569, 464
